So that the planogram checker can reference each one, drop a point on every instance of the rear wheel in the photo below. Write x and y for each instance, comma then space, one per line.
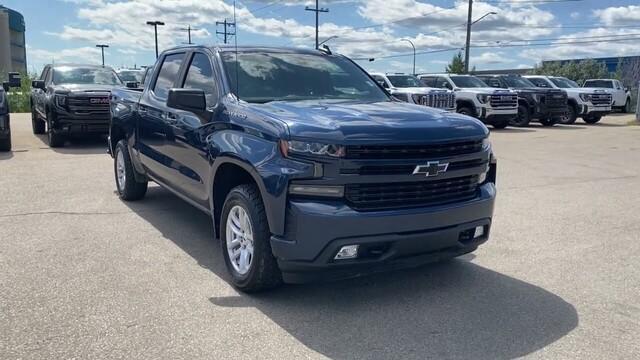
627, 106
500, 124
38, 125
569, 117
129, 188
523, 118
591, 119
246, 240
466, 111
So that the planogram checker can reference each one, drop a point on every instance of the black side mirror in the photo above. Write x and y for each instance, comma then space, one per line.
38, 84
14, 79
132, 84
192, 100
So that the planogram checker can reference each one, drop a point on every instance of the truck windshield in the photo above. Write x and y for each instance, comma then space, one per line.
130, 75
518, 82
77, 75
598, 84
403, 81
564, 83
468, 82
264, 76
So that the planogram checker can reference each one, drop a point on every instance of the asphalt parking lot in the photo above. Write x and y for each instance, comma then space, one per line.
84, 275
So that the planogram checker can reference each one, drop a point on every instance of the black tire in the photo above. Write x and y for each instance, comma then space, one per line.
38, 125
464, 110
627, 106
5, 144
500, 124
54, 139
548, 121
591, 119
570, 116
523, 117
263, 272
131, 189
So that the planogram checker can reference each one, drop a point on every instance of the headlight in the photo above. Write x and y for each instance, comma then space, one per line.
585, 97
483, 98
311, 148
486, 142
61, 100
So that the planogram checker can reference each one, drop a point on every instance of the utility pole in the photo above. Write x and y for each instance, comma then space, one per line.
468, 43
317, 10
102, 46
226, 33
188, 30
155, 25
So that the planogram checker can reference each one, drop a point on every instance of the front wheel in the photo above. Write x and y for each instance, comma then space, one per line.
501, 124
5, 144
466, 111
53, 138
569, 117
129, 189
245, 241
37, 124
523, 118
548, 121
591, 119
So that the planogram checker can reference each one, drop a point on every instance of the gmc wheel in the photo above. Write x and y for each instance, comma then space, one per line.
523, 117
570, 116
245, 240
591, 119
129, 188
466, 111
37, 125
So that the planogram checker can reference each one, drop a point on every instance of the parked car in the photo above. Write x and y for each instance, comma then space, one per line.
589, 103
621, 96
131, 76
475, 98
410, 89
5, 123
547, 106
304, 177
72, 99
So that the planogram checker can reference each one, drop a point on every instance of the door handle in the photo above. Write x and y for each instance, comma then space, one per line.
171, 118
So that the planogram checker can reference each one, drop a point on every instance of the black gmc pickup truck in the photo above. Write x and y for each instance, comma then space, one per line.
548, 106
72, 99
307, 167
5, 124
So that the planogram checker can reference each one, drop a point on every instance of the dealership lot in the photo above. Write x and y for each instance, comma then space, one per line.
84, 275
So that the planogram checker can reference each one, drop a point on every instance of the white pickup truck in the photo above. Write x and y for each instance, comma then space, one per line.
621, 95
591, 104
496, 107
410, 89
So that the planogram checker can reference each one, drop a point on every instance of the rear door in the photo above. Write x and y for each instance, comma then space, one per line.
153, 111
186, 138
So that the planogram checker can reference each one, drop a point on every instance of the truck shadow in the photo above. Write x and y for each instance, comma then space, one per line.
454, 309
94, 144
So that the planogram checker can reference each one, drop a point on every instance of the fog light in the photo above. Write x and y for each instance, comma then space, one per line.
347, 252
479, 232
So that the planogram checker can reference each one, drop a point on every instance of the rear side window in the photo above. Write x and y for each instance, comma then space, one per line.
539, 82
167, 75
200, 76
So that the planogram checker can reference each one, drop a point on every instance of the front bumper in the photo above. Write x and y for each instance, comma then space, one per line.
592, 110
390, 239
490, 115
81, 123
5, 127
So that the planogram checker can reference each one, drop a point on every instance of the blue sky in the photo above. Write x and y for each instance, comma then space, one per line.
520, 34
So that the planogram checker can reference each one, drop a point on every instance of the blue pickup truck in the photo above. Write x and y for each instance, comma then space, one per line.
308, 168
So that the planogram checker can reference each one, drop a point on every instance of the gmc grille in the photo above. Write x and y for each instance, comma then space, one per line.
439, 100
413, 151
412, 194
504, 101
94, 105
555, 100
601, 99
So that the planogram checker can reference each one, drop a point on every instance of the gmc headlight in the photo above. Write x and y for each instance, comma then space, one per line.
61, 100
585, 97
311, 148
483, 98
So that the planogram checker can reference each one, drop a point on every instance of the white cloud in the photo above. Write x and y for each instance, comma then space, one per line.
490, 58
85, 55
622, 15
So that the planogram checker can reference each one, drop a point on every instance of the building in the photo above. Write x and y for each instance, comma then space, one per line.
13, 54
610, 62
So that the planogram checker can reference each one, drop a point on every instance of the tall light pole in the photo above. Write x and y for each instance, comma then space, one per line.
102, 46
155, 25
468, 43
414, 54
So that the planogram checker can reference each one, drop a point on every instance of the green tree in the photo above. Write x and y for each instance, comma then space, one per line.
19, 97
578, 71
457, 64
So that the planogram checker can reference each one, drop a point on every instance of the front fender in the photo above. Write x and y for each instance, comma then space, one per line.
260, 158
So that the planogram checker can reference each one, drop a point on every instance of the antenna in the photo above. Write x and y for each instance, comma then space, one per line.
235, 39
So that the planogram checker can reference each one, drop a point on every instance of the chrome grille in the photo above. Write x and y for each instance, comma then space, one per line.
439, 100
503, 101
598, 99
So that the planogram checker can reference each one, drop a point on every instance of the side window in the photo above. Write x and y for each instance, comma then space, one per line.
429, 81
44, 73
539, 82
200, 76
617, 84
493, 82
48, 75
167, 75
443, 83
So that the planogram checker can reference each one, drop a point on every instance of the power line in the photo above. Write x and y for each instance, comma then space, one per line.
226, 33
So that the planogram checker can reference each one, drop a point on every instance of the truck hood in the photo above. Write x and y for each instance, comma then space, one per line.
537, 90
83, 88
347, 123
487, 90
586, 90
418, 90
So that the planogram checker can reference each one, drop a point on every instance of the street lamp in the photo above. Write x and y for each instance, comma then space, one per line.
155, 25
414, 54
102, 46
327, 39
468, 43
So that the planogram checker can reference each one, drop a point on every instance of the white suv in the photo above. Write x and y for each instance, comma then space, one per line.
621, 95
496, 107
410, 89
591, 104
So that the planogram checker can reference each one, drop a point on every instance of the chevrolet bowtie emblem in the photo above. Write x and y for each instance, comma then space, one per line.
433, 168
